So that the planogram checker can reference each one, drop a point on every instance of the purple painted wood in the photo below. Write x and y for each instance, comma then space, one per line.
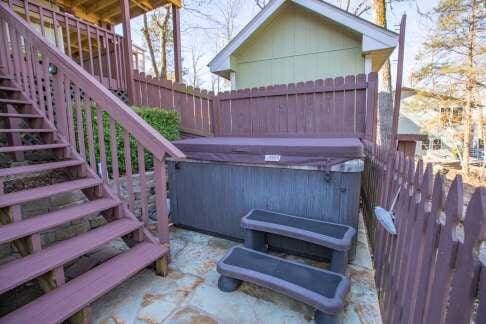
40, 223
60, 304
128, 170
463, 294
446, 254
481, 311
21, 197
142, 183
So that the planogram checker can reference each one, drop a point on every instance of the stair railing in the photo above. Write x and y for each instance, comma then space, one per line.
98, 50
113, 139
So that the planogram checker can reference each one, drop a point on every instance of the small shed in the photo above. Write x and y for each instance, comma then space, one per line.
300, 40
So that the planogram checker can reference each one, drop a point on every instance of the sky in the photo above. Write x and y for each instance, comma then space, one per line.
204, 42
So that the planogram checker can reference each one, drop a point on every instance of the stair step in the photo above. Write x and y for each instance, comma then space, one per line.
27, 130
24, 148
37, 224
15, 101
20, 197
61, 303
13, 89
27, 268
13, 115
6, 77
40, 167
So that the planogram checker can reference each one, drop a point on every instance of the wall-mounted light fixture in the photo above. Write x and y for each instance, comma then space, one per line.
387, 217
52, 69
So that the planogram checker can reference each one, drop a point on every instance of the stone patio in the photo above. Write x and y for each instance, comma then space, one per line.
190, 294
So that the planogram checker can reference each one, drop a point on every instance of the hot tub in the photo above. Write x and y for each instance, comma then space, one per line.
224, 177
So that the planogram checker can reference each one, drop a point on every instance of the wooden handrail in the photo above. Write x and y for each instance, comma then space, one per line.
117, 109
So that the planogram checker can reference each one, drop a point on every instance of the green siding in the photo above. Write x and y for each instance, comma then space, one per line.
296, 45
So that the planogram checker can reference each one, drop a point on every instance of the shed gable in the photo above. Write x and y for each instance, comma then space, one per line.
295, 45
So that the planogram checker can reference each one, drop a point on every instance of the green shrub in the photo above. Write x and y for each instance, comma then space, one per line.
166, 122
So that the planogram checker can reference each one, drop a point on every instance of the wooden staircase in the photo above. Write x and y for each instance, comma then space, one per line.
29, 144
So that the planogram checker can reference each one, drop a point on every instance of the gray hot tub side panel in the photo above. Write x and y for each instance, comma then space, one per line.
213, 197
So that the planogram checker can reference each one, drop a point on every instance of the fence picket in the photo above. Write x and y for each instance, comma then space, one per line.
446, 253
467, 265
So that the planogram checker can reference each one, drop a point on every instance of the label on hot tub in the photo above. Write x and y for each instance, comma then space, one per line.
272, 158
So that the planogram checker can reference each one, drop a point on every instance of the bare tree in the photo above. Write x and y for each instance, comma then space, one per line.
261, 3
196, 57
157, 33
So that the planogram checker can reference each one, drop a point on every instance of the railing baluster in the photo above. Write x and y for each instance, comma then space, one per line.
47, 87
68, 37
100, 64
108, 59
27, 11
80, 45
69, 111
89, 132
90, 49
160, 200
79, 121
114, 156
55, 28
142, 183
30, 67
41, 17
15, 53
101, 143
128, 170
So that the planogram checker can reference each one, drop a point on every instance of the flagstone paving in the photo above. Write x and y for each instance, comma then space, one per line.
189, 294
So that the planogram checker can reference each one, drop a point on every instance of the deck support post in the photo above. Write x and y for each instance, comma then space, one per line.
176, 30
162, 266
84, 316
127, 42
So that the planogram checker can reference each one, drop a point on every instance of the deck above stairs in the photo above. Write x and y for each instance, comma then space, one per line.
25, 131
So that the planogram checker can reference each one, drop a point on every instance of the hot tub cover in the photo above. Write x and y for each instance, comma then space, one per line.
282, 151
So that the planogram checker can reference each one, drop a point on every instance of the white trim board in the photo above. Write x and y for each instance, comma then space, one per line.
375, 38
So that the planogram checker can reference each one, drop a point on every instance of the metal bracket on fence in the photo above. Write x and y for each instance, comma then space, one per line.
387, 217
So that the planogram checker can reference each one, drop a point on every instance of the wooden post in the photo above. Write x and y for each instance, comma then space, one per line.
127, 41
398, 86
176, 30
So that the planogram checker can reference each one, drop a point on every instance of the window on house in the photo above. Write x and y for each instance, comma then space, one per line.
436, 144
450, 116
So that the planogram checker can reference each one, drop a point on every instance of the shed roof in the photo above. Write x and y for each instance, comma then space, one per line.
374, 37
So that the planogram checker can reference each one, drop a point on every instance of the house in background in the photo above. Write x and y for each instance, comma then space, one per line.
440, 119
300, 40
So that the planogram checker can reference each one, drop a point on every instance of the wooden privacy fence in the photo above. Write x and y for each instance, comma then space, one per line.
194, 105
344, 106
333, 107
434, 269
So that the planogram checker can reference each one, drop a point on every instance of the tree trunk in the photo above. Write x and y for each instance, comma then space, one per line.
148, 40
385, 100
163, 44
470, 87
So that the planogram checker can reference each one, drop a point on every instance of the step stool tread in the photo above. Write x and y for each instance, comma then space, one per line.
335, 236
288, 277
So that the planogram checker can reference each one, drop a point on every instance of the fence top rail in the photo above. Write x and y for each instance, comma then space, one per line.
117, 109
170, 85
350, 82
